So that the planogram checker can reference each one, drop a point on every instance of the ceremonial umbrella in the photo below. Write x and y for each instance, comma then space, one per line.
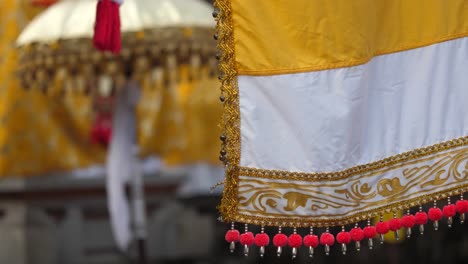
57, 57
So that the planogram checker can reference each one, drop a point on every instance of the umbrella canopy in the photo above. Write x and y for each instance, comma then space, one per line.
57, 43
73, 19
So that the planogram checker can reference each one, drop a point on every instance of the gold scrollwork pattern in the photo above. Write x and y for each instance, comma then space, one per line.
400, 186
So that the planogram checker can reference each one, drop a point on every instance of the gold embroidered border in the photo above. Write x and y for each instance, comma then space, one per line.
343, 174
307, 222
231, 114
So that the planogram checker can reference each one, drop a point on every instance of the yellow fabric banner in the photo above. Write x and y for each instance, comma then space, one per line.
328, 34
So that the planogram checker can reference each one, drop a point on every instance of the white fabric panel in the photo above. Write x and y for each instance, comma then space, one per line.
334, 119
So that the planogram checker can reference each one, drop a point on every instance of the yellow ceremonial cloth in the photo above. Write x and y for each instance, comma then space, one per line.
325, 34
38, 134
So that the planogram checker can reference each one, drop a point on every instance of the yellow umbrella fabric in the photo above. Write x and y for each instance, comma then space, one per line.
41, 134
37, 134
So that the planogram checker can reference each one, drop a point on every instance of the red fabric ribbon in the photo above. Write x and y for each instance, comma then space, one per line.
107, 36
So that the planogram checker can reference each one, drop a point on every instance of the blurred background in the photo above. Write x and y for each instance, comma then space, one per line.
97, 169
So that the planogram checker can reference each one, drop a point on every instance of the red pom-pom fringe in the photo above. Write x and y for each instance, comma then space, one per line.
327, 239
462, 206
295, 240
311, 241
262, 240
343, 237
435, 214
280, 240
369, 231
382, 227
449, 210
394, 224
247, 238
408, 221
421, 218
357, 234
232, 236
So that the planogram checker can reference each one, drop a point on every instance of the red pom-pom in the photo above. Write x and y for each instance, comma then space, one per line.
420, 218
311, 241
343, 237
449, 210
295, 240
262, 240
382, 227
408, 221
247, 239
462, 206
369, 231
232, 236
327, 239
394, 224
435, 214
357, 234
280, 240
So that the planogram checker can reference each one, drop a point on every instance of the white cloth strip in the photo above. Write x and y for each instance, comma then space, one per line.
335, 119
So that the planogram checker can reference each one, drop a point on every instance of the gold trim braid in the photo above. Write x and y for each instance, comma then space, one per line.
231, 114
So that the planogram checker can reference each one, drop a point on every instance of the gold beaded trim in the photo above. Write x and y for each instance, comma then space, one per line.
353, 171
329, 222
231, 113
40, 64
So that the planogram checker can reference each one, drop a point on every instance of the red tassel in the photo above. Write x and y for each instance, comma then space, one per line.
107, 27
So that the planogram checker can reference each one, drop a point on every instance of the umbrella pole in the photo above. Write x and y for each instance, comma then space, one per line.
139, 209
